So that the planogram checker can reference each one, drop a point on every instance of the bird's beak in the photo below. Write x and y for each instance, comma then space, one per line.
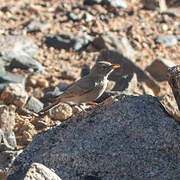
115, 66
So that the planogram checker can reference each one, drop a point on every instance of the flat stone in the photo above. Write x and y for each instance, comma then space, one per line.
158, 69
39, 125
166, 40
33, 104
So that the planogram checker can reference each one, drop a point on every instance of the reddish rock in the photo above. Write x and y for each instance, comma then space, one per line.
14, 93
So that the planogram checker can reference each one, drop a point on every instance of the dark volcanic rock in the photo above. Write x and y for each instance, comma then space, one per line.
133, 138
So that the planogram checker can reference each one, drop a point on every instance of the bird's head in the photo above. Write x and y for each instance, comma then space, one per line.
103, 69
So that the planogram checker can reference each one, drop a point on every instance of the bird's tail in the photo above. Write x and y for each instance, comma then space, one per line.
47, 108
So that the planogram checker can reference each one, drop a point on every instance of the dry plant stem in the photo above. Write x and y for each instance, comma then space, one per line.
174, 82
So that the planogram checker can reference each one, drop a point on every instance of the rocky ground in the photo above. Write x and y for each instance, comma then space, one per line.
46, 45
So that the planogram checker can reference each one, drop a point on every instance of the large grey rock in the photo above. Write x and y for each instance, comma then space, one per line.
17, 46
132, 138
20, 51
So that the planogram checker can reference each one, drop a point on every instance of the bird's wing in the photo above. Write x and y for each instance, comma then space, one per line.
79, 88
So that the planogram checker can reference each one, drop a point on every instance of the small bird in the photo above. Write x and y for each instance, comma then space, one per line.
86, 89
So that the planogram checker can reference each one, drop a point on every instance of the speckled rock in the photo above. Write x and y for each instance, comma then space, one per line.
132, 138
62, 112
24, 130
7, 123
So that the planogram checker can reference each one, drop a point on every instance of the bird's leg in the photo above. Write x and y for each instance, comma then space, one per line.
93, 104
80, 106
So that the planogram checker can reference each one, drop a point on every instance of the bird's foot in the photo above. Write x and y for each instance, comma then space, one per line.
93, 104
